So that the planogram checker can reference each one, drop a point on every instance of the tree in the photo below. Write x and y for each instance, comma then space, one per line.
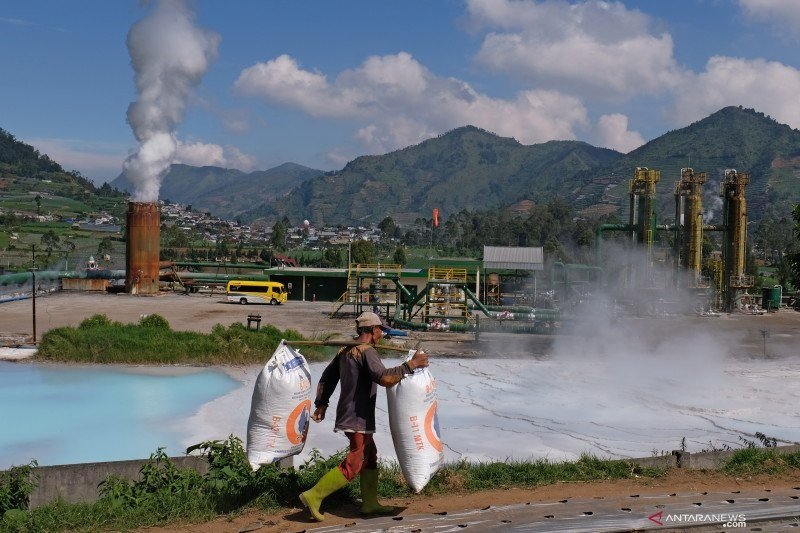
399, 255
175, 237
50, 240
105, 247
331, 258
387, 226
38, 201
106, 190
362, 252
266, 255
793, 257
278, 238
221, 250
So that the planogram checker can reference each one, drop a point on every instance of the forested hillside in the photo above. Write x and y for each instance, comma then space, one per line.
469, 168
226, 192
465, 168
23, 168
732, 138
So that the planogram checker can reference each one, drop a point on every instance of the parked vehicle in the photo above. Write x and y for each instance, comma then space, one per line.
256, 292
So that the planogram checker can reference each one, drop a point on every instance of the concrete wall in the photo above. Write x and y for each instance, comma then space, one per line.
78, 483
700, 460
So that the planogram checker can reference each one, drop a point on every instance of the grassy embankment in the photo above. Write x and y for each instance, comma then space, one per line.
164, 494
100, 340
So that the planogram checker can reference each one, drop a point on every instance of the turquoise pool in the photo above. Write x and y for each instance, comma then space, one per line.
60, 414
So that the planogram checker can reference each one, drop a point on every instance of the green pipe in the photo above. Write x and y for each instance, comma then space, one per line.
421, 326
504, 315
200, 264
223, 277
20, 278
513, 327
572, 266
599, 236
475, 299
402, 288
420, 295
511, 308
545, 314
548, 314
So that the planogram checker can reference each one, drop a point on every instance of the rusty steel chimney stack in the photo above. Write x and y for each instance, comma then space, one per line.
142, 248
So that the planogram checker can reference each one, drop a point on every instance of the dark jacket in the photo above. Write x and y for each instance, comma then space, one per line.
359, 369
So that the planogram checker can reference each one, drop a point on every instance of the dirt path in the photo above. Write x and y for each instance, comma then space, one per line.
200, 312
676, 482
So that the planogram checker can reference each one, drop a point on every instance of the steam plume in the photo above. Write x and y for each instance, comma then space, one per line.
169, 55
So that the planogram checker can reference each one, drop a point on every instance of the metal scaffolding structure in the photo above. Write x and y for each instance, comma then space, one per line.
370, 287
642, 217
689, 224
734, 249
688, 230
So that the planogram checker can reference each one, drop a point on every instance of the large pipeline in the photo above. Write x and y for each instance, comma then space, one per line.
21, 278
521, 312
177, 276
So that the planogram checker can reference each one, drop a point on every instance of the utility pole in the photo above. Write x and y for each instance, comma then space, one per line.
33, 270
764, 335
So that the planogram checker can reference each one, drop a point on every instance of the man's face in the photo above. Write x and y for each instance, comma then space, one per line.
377, 333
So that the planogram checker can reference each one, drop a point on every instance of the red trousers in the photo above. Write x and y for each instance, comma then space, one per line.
363, 455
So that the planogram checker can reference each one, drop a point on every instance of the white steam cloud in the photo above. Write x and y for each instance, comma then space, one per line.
169, 55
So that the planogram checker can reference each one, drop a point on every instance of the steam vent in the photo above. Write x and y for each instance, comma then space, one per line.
142, 248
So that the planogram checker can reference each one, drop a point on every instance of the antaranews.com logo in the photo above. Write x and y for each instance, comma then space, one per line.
726, 519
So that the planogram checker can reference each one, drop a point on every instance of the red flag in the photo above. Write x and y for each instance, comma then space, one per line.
435, 217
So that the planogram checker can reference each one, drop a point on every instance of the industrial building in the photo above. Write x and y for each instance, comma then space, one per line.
511, 288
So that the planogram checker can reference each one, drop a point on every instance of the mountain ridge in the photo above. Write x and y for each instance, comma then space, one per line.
464, 168
470, 168
225, 192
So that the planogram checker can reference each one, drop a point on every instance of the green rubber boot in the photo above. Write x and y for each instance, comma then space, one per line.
369, 494
332, 481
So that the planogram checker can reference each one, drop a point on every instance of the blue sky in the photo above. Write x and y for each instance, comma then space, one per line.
321, 82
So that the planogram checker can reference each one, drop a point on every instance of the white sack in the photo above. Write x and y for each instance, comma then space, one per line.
414, 424
280, 409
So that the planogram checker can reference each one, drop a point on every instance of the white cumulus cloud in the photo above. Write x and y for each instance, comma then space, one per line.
338, 156
100, 161
767, 86
612, 132
202, 154
398, 102
785, 14
593, 49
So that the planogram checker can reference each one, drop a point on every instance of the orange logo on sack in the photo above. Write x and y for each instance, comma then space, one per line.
297, 423
432, 428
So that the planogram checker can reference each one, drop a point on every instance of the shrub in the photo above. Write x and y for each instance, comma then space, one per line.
95, 321
158, 478
99, 340
154, 321
16, 486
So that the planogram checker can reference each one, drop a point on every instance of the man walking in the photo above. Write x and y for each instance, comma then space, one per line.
360, 371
